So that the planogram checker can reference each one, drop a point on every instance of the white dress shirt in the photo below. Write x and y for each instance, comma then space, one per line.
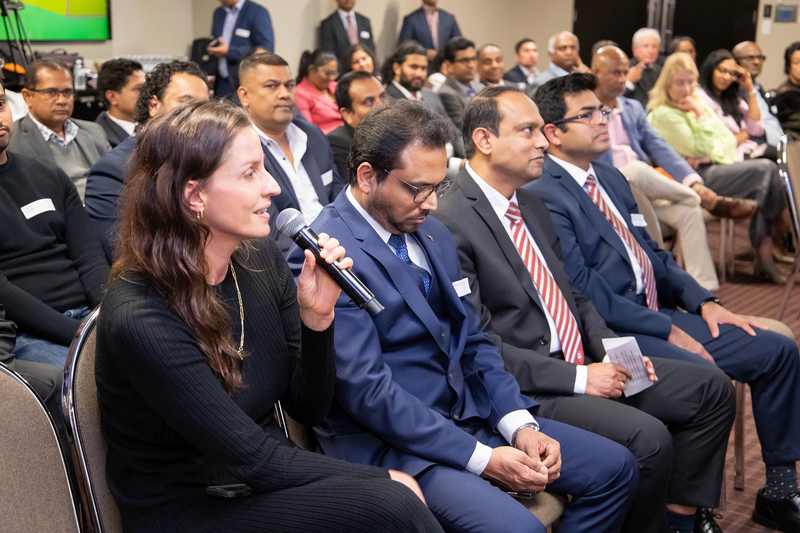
310, 205
580, 175
415, 97
500, 205
127, 125
510, 422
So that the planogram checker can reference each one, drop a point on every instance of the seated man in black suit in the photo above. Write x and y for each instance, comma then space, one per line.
462, 82
343, 29
551, 335
525, 73
119, 83
357, 93
639, 290
167, 86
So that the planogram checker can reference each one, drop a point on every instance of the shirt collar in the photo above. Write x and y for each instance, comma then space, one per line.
70, 131
127, 125
557, 70
236, 8
577, 173
430, 10
528, 71
297, 138
382, 232
498, 202
408, 94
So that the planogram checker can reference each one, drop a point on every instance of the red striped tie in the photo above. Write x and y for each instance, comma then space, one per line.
549, 292
651, 295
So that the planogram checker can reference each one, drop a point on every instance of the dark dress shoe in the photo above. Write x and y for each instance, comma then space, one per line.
766, 270
783, 515
727, 207
705, 521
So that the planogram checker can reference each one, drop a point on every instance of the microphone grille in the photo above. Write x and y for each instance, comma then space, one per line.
289, 222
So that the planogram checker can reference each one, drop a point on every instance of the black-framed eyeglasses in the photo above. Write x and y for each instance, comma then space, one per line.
53, 93
420, 193
760, 57
591, 116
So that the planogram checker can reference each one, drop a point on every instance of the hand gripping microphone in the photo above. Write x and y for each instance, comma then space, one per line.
290, 222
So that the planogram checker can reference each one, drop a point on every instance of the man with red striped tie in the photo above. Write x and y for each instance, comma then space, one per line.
551, 335
639, 290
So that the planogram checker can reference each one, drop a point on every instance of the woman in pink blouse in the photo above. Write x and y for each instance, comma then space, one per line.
316, 86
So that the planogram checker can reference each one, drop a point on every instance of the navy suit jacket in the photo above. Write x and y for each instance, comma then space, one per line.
415, 28
595, 256
333, 36
103, 188
411, 391
253, 20
649, 146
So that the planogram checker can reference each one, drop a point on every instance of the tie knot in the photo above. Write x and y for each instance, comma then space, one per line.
513, 213
590, 184
398, 244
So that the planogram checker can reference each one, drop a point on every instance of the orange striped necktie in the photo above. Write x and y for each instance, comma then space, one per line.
549, 292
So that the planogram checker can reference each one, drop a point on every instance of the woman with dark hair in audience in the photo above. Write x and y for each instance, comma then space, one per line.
315, 93
688, 123
683, 43
787, 99
728, 89
202, 330
791, 67
362, 59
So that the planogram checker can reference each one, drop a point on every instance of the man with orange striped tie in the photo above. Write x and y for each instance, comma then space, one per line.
551, 335
639, 290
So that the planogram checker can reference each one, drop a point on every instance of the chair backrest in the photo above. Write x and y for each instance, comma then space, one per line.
789, 167
82, 412
35, 489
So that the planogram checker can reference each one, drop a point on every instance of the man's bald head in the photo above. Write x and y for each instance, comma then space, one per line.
749, 55
610, 67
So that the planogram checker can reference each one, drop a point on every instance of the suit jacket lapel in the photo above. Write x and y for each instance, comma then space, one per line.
484, 210
87, 145
438, 270
280, 176
593, 214
398, 272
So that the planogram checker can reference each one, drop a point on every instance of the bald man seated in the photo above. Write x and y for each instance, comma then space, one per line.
564, 50
636, 148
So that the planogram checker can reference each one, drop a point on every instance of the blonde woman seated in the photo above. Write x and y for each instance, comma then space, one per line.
682, 117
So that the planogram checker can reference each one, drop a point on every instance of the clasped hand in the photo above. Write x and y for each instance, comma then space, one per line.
534, 462
316, 291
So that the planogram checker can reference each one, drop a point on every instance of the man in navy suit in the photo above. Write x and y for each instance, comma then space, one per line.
343, 29
167, 86
420, 388
296, 152
525, 73
429, 26
640, 291
238, 27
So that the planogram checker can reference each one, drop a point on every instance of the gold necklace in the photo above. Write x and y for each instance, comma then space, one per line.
240, 350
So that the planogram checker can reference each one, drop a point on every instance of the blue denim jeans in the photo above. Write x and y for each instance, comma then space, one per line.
29, 348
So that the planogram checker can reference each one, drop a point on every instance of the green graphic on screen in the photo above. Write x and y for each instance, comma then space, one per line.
63, 20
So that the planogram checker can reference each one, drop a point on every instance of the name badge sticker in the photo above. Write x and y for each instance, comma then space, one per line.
462, 287
242, 32
638, 220
364, 34
37, 208
327, 177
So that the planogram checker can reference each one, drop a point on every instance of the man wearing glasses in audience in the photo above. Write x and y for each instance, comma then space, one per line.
47, 133
749, 55
462, 82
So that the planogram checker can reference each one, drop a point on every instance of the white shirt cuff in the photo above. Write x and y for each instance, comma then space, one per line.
513, 421
692, 178
581, 378
479, 459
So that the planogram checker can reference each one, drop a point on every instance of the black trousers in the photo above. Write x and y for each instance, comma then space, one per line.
336, 504
677, 429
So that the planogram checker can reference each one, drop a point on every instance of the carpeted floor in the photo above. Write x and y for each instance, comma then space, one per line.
743, 294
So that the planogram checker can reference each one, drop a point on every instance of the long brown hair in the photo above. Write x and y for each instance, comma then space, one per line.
161, 239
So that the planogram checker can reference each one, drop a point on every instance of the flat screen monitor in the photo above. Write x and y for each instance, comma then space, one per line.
60, 20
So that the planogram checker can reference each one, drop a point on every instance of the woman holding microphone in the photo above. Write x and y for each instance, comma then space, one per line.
202, 330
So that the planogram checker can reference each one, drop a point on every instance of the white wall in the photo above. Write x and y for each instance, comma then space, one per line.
774, 43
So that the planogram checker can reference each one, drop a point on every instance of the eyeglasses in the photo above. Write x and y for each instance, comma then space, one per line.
760, 57
53, 93
729, 73
420, 193
592, 116
471, 59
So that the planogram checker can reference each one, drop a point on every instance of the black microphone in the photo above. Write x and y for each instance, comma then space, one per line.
290, 222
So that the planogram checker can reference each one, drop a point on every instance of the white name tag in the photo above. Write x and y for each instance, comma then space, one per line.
462, 287
327, 178
364, 34
242, 32
638, 220
37, 208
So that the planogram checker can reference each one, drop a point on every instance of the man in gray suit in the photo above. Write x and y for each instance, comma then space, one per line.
47, 133
462, 81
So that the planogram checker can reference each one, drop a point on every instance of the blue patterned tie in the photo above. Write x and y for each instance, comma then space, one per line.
398, 244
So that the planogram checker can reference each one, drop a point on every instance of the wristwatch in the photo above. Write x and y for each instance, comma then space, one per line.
714, 300
534, 425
